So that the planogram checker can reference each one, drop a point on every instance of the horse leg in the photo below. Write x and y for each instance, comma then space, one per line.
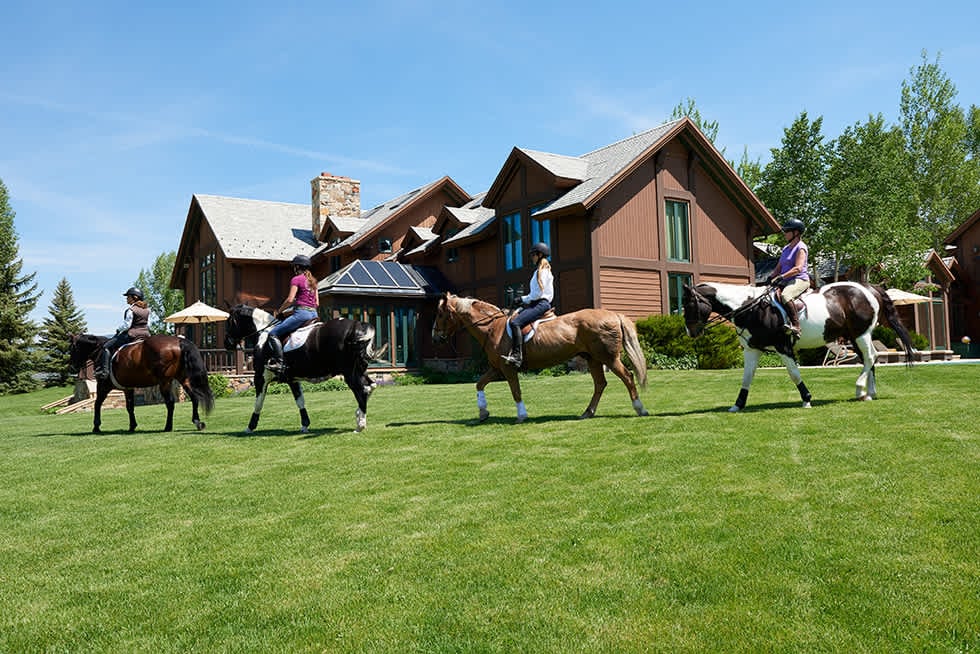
623, 373
131, 408
598, 385
493, 374
360, 385
195, 415
304, 417
166, 391
794, 374
101, 391
751, 357
261, 385
865, 389
515, 390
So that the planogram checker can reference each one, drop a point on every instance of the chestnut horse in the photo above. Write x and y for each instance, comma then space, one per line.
154, 361
597, 335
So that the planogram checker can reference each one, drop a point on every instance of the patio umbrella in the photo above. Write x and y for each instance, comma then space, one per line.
904, 297
197, 313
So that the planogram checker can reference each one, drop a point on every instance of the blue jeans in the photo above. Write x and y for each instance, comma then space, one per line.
299, 316
530, 313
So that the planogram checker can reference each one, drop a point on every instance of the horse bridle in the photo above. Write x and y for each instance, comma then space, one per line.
486, 320
729, 316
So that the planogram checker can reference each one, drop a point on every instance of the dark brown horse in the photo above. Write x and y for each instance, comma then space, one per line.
154, 361
597, 335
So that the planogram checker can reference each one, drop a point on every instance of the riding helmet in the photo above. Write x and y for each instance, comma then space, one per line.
135, 292
540, 248
794, 224
302, 261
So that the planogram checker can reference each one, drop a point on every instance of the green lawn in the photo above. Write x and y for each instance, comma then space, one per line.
850, 527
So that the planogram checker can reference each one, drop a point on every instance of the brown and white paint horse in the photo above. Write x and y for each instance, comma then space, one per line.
841, 310
597, 335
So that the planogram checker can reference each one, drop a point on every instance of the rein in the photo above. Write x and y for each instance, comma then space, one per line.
730, 316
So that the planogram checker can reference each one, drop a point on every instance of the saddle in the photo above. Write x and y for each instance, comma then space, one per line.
776, 298
298, 338
528, 330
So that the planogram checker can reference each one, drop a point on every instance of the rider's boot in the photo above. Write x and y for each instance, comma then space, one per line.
102, 365
793, 328
276, 363
516, 356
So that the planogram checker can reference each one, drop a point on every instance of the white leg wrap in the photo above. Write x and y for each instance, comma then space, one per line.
521, 410
481, 400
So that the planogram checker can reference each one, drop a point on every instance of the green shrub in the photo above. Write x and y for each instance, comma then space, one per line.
332, 384
888, 336
219, 385
666, 344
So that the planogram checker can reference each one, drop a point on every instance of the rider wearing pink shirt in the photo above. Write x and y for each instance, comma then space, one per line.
304, 300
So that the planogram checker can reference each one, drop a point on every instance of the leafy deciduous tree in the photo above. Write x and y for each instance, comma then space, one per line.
689, 108
65, 319
163, 300
939, 137
871, 205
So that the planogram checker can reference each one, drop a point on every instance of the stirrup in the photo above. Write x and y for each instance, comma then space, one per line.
275, 366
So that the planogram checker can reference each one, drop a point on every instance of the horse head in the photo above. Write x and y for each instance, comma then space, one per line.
81, 348
238, 326
697, 309
446, 321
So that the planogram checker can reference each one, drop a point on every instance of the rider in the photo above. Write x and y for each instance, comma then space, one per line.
532, 306
304, 300
791, 272
134, 325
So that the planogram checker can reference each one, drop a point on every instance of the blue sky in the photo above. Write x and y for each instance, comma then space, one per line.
113, 114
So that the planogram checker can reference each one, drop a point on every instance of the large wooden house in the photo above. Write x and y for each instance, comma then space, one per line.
628, 224
964, 244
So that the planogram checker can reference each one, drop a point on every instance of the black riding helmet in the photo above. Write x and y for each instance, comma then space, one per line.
135, 292
540, 248
794, 224
302, 261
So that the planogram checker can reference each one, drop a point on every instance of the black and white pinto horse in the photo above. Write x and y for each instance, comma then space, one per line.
334, 347
843, 310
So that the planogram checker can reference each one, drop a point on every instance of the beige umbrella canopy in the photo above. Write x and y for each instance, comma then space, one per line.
904, 297
197, 313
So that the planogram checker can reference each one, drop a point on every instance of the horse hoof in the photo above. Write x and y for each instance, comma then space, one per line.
644, 412
807, 405
248, 431
520, 419
586, 415
734, 409
200, 426
484, 414
304, 429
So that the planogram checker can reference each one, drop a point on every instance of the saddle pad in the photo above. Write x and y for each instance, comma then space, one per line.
529, 330
298, 337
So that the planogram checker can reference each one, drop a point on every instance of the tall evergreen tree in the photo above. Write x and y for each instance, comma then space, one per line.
793, 183
65, 319
938, 136
18, 297
871, 221
163, 300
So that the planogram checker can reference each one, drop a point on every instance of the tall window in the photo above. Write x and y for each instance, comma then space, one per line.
540, 229
676, 283
513, 247
678, 231
209, 288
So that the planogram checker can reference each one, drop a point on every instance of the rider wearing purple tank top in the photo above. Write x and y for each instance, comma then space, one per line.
791, 271
304, 300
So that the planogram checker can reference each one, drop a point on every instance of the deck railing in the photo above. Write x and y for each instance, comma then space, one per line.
235, 362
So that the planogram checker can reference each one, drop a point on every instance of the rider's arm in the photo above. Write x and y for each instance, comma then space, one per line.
127, 321
290, 299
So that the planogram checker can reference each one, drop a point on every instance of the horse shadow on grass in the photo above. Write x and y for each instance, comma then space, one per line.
500, 420
788, 405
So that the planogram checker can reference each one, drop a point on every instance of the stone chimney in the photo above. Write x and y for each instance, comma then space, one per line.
334, 195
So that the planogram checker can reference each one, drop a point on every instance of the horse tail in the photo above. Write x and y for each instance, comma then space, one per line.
197, 374
891, 316
631, 343
362, 338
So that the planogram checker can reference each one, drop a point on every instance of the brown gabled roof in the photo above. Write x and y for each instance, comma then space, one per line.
379, 217
602, 170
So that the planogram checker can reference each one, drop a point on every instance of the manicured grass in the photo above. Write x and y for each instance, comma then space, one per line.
848, 527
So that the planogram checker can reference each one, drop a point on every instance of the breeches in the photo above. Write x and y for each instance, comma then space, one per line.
530, 313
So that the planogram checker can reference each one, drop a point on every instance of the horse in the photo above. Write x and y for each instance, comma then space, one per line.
154, 361
842, 310
597, 335
333, 347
